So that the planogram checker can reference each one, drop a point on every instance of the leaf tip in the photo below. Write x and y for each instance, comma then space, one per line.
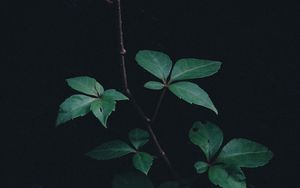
104, 125
67, 80
214, 109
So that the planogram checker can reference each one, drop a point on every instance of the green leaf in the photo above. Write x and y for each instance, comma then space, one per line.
201, 167
227, 176
207, 136
85, 85
190, 68
154, 85
102, 108
110, 150
193, 94
73, 107
131, 180
157, 63
244, 153
138, 137
142, 161
114, 95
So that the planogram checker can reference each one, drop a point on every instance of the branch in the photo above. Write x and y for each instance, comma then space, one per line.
122, 48
163, 153
147, 121
137, 107
158, 105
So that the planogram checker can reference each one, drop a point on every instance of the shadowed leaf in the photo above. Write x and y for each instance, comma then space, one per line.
110, 150
142, 161
201, 167
154, 85
131, 180
227, 176
138, 137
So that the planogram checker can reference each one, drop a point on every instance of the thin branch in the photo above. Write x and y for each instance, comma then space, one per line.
162, 153
122, 48
158, 105
138, 108
147, 121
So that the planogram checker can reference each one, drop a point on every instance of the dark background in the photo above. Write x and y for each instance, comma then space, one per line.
44, 42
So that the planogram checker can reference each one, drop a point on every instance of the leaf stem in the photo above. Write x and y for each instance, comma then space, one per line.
163, 93
127, 91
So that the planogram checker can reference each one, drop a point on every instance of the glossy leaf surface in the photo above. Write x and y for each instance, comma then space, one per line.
227, 176
244, 153
191, 68
114, 95
157, 63
201, 167
138, 137
207, 136
102, 108
110, 150
73, 107
142, 161
85, 85
192, 94
153, 85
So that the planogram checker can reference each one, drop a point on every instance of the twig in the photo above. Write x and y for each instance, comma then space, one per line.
137, 107
158, 105
122, 48
147, 121
163, 153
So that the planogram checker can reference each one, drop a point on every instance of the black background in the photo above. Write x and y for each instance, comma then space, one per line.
44, 42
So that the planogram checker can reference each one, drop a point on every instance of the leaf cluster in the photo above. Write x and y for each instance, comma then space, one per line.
224, 169
223, 164
174, 77
101, 102
142, 161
